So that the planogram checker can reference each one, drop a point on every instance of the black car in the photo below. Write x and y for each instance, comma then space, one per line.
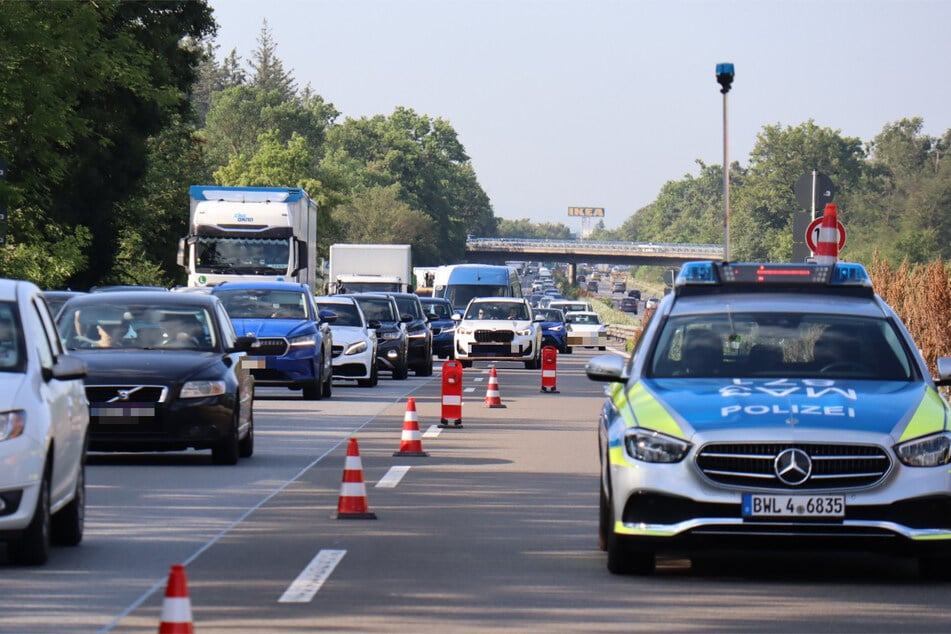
628, 305
392, 342
56, 299
165, 372
439, 311
420, 335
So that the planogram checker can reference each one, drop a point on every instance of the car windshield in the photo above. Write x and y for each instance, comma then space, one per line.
409, 306
347, 314
780, 345
582, 318
494, 310
254, 303
550, 314
12, 357
438, 309
378, 308
110, 324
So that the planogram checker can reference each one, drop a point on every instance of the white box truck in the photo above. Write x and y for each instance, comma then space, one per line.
240, 233
358, 268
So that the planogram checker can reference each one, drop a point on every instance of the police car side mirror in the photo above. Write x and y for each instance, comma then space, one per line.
607, 368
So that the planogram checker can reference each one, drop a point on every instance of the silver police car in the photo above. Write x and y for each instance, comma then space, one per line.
773, 405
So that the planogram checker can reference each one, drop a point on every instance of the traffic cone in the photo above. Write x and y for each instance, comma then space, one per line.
352, 504
411, 443
827, 244
492, 396
177, 608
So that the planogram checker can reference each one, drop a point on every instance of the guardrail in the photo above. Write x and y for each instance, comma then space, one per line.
622, 332
700, 251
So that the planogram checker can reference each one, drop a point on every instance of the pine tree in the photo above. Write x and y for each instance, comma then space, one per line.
269, 73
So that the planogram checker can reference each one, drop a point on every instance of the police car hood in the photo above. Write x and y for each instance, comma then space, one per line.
262, 328
707, 405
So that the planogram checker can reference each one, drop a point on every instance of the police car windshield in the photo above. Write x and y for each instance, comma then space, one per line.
780, 345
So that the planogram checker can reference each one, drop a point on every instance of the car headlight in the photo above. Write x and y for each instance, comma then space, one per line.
651, 446
12, 424
418, 335
557, 328
930, 451
391, 334
464, 331
303, 340
449, 330
200, 389
356, 348
525, 332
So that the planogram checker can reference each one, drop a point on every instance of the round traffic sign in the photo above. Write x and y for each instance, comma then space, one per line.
812, 234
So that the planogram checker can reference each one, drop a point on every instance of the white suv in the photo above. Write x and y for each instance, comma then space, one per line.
498, 329
43, 420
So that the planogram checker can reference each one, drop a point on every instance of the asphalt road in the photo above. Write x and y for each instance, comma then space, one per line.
495, 529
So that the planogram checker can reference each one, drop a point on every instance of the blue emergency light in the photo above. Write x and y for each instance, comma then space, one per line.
710, 273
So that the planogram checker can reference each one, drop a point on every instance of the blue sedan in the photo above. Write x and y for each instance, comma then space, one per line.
554, 332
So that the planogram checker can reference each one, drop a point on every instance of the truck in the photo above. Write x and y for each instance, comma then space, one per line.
359, 268
249, 233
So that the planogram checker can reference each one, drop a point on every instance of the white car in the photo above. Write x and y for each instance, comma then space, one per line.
498, 329
354, 340
44, 416
585, 330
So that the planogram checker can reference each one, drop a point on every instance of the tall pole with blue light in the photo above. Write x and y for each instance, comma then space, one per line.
725, 79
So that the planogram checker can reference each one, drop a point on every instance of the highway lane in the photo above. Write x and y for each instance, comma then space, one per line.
495, 529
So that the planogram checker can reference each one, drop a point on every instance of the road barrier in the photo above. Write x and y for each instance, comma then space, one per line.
549, 369
411, 443
451, 394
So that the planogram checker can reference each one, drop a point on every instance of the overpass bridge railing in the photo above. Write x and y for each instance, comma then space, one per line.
679, 250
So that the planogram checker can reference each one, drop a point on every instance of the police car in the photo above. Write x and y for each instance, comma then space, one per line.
773, 405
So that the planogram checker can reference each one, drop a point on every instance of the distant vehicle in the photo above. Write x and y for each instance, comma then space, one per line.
283, 314
592, 286
554, 331
585, 330
439, 311
635, 293
236, 233
367, 268
651, 303
459, 283
354, 340
56, 299
165, 372
392, 352
418, 332
44, 420
568, 305
618, 287
498, 329
628, 305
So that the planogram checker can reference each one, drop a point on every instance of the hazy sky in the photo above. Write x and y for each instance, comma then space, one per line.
599, 103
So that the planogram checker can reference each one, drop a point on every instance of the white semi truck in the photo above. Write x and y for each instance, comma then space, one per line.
241, 233
357, 268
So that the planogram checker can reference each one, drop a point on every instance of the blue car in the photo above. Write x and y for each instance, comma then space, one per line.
283, 313
554, 332
439, 311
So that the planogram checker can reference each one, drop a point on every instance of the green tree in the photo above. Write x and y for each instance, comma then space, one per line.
269, 74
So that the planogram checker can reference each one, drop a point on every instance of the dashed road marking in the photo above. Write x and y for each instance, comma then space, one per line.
392, 477
432, 432
311, 578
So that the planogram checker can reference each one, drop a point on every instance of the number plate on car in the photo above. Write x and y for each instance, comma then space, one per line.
793, 506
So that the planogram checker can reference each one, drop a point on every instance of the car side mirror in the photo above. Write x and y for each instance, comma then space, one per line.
243, 343
66, 368
373, 324
326, 316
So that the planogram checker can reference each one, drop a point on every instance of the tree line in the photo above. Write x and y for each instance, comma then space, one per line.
112, 109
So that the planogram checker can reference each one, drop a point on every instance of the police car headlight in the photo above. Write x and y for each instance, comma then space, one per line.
650, 446
200, 389
930, 451
356, 348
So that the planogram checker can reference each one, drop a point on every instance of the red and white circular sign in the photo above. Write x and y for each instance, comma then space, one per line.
812, 234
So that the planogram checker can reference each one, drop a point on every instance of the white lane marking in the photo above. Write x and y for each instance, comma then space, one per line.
432, 432
311, 578
478, 379
469, 389
392, 477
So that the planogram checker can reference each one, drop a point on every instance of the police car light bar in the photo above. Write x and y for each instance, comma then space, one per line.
724, 273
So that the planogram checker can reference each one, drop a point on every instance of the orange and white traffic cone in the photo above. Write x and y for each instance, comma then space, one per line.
827, 244
411, 442
177, 608
352, 504
492, 396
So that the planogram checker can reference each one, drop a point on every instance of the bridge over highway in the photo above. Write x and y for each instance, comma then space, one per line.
498, 250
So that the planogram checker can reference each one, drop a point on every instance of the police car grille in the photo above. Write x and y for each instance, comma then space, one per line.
126, 393
751, 465
494, 336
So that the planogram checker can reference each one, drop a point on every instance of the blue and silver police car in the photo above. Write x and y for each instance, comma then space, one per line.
773, 405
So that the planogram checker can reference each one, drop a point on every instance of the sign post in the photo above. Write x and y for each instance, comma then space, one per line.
3, 203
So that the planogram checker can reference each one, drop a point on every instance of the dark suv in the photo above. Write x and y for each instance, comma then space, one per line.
420, 350
392, 342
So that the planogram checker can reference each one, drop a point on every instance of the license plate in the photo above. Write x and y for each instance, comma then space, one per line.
255, 364
793, 506
126, 411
